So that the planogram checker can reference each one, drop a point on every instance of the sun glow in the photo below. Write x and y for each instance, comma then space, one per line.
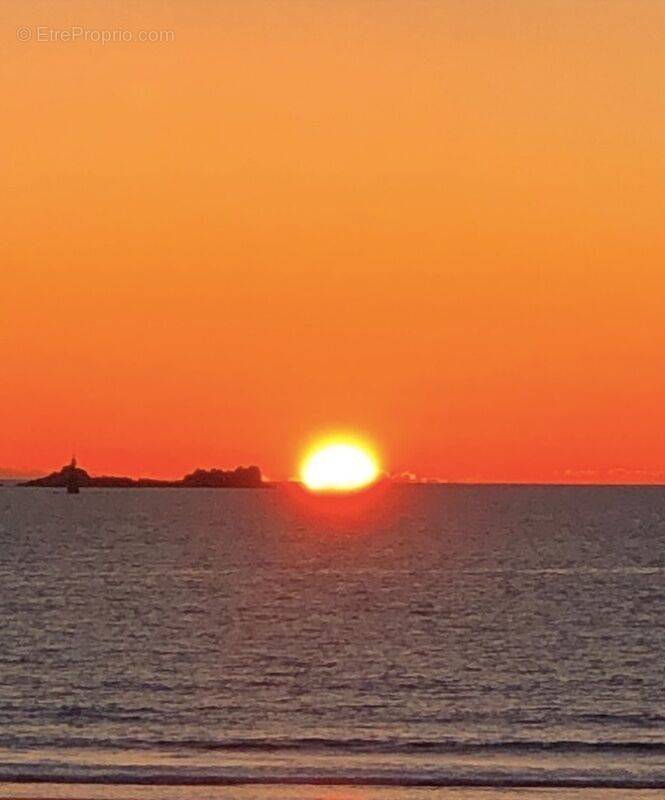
339, 466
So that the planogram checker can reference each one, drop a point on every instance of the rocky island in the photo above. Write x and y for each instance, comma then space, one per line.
72, 477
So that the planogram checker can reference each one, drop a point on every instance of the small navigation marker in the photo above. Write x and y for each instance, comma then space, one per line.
72, 478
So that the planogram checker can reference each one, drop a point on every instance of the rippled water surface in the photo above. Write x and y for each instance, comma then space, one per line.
502, 635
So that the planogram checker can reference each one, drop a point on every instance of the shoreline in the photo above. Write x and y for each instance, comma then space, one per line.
370, 782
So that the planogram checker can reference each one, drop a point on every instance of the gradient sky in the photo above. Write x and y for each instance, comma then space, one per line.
437, 224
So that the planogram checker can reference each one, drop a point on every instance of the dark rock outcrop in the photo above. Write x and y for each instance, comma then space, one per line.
245, 477
239, 478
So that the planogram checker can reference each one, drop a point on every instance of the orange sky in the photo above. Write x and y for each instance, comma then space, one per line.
435, 223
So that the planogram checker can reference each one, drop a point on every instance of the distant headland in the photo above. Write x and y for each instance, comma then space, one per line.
72, 477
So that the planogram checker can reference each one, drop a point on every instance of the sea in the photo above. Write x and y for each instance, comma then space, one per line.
426, 641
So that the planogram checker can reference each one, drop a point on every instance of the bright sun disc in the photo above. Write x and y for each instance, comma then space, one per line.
339, 467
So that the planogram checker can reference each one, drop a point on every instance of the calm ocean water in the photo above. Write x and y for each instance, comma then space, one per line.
499, 636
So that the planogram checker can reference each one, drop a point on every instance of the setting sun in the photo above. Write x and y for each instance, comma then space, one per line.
339, 466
